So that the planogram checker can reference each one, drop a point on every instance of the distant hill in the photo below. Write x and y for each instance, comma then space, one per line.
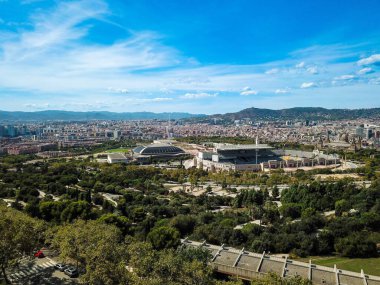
299, 113
255, 114
54, 115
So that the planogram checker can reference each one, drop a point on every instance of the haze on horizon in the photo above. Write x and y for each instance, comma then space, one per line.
188, 56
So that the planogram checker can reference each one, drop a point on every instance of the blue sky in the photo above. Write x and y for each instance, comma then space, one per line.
194, 56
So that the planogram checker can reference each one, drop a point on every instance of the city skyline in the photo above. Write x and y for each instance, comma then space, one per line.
212, 57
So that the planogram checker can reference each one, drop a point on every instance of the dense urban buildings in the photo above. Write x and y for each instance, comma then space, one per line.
39, 137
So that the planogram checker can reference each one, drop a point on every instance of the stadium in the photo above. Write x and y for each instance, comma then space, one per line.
260, 157
157, 151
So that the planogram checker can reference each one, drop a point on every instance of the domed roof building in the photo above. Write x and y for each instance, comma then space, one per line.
157, 150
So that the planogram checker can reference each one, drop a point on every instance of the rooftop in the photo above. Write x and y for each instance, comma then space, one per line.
157, 149
249, 265
243, 147
116, 156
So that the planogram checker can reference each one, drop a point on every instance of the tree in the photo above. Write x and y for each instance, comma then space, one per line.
75, 210
356, 245
164, 237
275, 192
95, 246
184, 224
325, 242
291, 210
123, 223
341, 206
175, 267
20, 235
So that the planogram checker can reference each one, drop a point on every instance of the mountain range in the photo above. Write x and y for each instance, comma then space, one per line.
298, 113
56, 115
256, 114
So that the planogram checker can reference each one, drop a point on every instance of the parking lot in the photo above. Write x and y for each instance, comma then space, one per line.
39, 271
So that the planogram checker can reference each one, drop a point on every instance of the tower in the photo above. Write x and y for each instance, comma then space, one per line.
169, 130
257, 143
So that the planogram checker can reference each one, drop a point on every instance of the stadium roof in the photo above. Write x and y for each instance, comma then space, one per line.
244, 147
158, 149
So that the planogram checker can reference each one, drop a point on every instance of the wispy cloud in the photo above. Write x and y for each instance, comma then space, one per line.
118, 90
199, 95
375, 81
345, 77
365, 70
308, 85
282, 91
54, 56
373, 59
158, 99
273, 71
248, 91
312, 70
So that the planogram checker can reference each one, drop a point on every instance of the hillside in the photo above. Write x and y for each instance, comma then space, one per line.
299, 113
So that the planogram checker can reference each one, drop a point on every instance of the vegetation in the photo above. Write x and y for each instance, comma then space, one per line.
19, 236
133, 237
369, 265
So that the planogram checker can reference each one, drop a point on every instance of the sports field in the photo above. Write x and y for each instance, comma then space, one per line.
118, 150
369, 265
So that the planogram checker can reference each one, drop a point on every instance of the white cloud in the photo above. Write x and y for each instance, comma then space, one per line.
54, 28
312, 70
158, 99
345, 77
38, 106
52, 55
199, 95
118, 90
248, 91
373, 59
166, 90
193, 80
375, 81
300, 65
365, 70
142, 101
272, 71
308, 85
282, 91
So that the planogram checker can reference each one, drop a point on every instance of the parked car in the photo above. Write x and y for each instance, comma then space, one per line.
60, 266
39, 254
71, 272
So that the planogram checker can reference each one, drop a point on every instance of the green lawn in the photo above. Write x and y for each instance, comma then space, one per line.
118, 150
369, 265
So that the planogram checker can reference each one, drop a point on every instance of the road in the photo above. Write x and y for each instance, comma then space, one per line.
113, 198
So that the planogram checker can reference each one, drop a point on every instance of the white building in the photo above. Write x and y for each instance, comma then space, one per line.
116, 158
